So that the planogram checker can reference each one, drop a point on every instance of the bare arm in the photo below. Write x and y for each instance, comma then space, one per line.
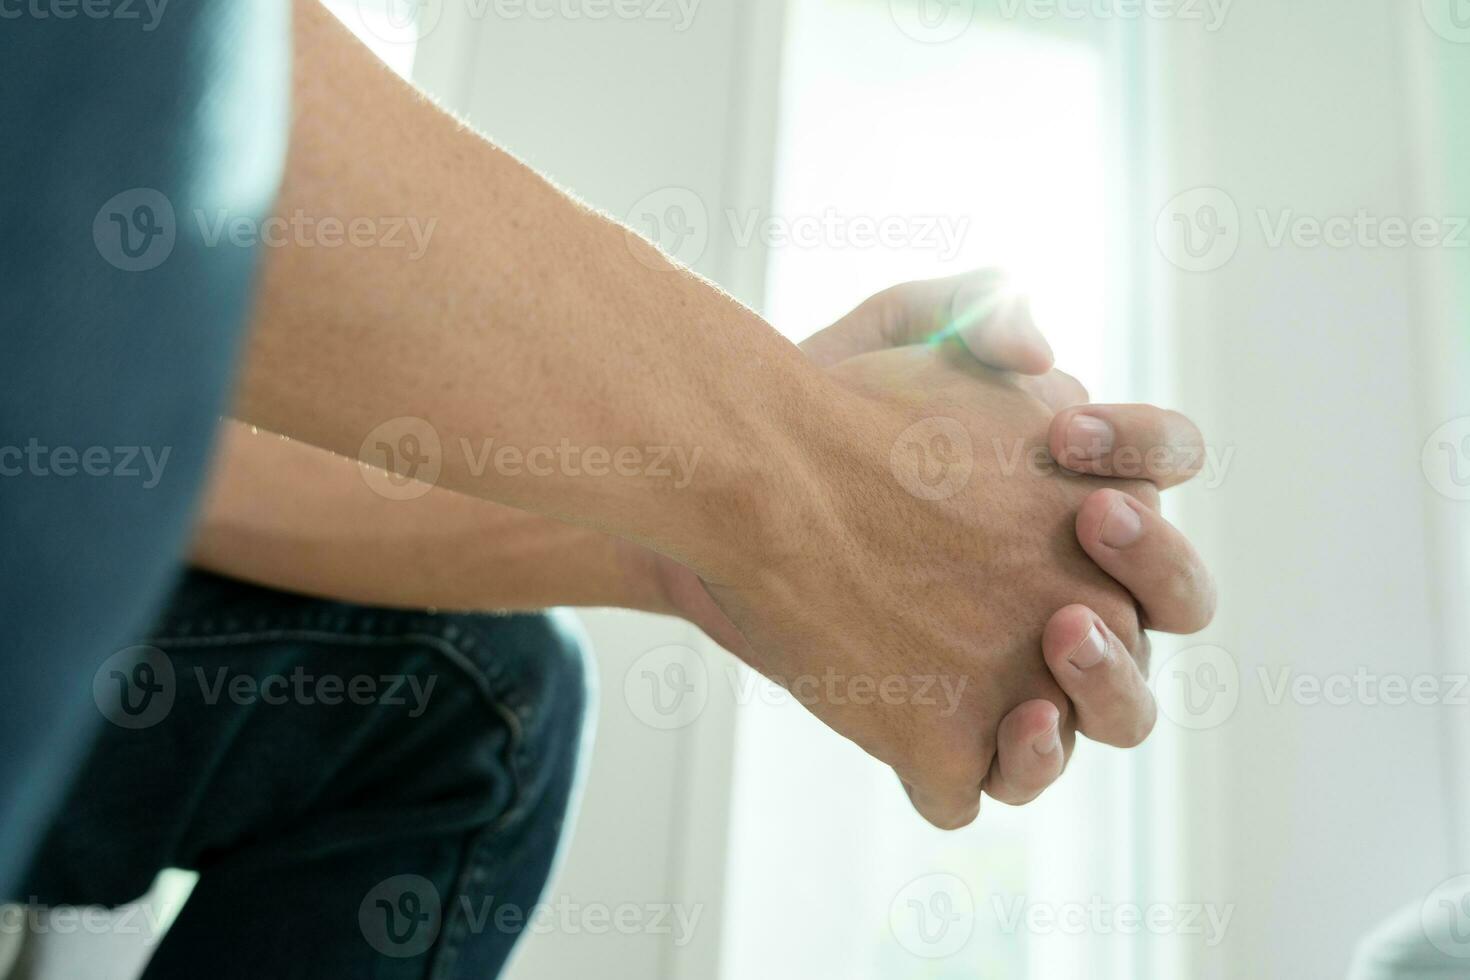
288, 515
529, 320
817, 518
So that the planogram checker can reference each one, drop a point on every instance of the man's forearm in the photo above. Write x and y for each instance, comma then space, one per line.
528, 320
291, 516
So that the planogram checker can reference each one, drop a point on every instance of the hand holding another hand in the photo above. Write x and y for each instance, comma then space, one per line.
943, 553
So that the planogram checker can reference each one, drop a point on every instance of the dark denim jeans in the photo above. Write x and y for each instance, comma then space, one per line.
364, 792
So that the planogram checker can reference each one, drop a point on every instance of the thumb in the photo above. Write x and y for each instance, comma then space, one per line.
982, 308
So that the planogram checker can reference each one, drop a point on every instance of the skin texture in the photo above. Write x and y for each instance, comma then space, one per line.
888, 586
531, 321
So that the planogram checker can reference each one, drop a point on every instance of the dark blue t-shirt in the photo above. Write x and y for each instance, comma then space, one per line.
127, 129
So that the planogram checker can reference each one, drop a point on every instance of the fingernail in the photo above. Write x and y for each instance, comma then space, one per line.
1122, 527
1089, 437
1091, 651
1048, 741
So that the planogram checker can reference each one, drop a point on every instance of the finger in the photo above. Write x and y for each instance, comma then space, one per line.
1108, 691
1137, 442
947, 809
1150, 558
995, 322
1058, 389
944, 776
988, 315
1030, 753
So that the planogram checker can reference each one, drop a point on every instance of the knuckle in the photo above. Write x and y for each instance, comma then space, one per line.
956, 819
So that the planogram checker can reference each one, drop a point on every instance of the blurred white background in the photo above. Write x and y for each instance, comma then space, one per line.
1156, 179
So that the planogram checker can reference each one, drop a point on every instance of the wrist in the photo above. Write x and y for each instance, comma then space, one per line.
767, 493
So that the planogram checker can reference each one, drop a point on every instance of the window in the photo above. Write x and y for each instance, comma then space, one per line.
991, 148
389, 27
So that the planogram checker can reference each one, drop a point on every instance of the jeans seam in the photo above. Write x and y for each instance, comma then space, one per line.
472, 868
